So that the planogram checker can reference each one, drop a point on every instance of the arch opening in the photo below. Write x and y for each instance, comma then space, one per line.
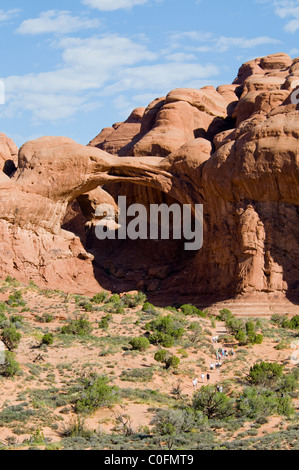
153, 266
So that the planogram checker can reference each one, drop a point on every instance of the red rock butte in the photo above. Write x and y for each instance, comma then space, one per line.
233, 149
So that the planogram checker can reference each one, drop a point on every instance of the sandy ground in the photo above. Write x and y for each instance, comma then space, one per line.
77, 358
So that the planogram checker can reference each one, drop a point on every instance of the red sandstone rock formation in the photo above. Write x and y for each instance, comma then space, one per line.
234, 149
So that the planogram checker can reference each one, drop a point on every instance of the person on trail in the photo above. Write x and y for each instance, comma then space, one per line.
212, 367
203, 377
208, 377
195, 382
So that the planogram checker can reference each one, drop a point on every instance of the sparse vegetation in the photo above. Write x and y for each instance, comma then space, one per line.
69, 352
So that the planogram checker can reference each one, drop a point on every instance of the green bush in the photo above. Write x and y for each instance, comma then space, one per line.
166, 331
171, 422
172, 362
11, 338
255, 403
88, 307
148, 308
161, 355
213, 404
104, 323
166, 341
131, 301
16, 300
225, 315
241, 337
188, 309
100, 298
259, 339
137, 375
10, 366
292, 324
48, 339
45, 318
169, 360
140, 344
265, 374
277, 319
95, 393
79, 327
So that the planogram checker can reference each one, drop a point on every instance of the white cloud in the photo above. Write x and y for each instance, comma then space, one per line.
8, 14
162, 77
94, 69
112, 5
207, 42
57, 22
287, 9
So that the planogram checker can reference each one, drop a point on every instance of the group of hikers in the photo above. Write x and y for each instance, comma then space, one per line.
220, 354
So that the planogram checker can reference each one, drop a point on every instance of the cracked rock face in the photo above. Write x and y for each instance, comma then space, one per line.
234, 150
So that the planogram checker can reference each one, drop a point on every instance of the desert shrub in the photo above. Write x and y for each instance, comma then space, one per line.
114, 299
241, 337
172, 362
256, 403
88, 307
137, 375
225, 315
161, 355
166, 341
213, 404
234, 325
149, 309
16, 299
191, 310
140, 344
10, 366
45, 318
104, 323
16, 320
265, 374
132, 301
3, 320
100, 298
250, 327
120, 311
226, 339
292, 324
95, 393
277, 319
259, 339
3, 307
48, 339
76, 428
11, 337
168, 359
288, 382
171, 422
166, 331
80, 327
282, 345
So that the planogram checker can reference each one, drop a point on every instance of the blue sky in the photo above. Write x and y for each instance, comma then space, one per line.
72, 67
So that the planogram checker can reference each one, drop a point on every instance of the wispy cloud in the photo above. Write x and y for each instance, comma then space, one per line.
95, 68
112, 5
288, 9
207, 42
7, 15
57, 22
